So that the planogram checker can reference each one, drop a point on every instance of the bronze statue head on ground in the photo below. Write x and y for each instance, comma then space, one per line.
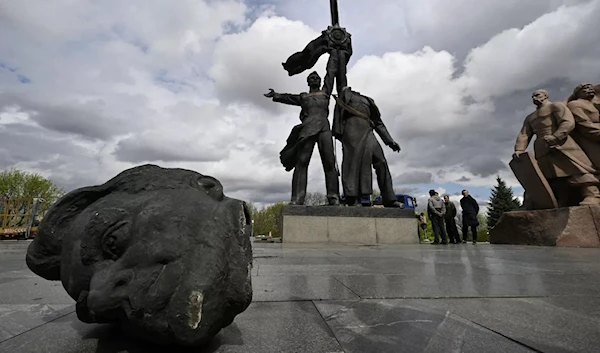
162, 251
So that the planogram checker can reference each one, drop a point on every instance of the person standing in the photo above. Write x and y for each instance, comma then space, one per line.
470, 209
449, 216
437, 209
423, 224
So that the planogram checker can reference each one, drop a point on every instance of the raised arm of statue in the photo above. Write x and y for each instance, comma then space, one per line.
584, 125
524, 137
564, 120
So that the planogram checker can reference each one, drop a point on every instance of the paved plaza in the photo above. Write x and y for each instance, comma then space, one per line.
360, 299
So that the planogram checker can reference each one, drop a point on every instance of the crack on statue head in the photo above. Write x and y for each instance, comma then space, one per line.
133, 249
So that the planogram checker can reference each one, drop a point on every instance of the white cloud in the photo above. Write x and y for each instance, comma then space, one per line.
556, 45
181, 84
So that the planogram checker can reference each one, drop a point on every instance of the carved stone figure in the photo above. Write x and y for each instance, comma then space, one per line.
355, 118
162, 251
585, 106
314, 129
559, 157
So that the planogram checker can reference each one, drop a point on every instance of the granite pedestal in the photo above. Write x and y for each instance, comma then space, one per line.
569, 227
351, 225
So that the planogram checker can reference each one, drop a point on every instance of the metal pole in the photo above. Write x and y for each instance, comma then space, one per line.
335, 17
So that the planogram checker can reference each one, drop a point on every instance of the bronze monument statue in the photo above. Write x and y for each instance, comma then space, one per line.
355, 118
560, 159
301, 142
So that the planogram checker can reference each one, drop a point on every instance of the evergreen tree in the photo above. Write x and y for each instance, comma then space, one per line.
501, 200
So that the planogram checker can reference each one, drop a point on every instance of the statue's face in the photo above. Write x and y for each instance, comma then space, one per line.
539, 97
587, 91
314, 80
150, 259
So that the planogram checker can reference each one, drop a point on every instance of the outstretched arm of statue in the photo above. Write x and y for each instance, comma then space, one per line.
285, 98
523, 139
584, 125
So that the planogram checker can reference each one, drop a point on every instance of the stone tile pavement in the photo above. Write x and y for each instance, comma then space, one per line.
343, 298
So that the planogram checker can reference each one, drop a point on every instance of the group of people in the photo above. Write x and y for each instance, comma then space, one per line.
443, 212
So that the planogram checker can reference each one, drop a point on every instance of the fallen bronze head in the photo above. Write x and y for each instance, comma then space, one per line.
162, 251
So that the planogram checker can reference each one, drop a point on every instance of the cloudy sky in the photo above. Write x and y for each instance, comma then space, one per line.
90, 88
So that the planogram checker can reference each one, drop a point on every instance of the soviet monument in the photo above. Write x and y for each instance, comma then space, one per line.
163, 252
355, 121
355, 118
561, 178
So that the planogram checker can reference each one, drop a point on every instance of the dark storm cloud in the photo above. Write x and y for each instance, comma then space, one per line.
85, 119
462, 179
137, 150
25, 143
484, 166
416, 177
479, 146
233, 184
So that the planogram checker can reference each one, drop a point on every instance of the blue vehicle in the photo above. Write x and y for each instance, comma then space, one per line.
408, 201
365, 201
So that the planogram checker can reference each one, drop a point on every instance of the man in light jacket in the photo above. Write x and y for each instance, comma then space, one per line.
437, 209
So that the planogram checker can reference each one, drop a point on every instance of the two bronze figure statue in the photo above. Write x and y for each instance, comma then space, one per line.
565, 170
355, 118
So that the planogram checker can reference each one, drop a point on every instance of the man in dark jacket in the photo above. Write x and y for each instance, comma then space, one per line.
470, 209
450, 221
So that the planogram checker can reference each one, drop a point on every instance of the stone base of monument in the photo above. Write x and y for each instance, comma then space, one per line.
569, 227
351, 225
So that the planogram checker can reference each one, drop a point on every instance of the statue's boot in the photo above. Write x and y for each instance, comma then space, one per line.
393, 204
591, 196
334, 201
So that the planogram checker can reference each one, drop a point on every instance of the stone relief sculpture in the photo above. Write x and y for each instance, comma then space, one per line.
563, 171
585, 105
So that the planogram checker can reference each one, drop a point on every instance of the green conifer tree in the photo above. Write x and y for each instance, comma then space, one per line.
502, 200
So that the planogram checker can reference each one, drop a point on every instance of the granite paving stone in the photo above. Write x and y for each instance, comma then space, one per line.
352, 298
264, 327
394, 326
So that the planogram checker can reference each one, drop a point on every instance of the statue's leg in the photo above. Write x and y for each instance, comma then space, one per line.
384, 178
332, 183
341, 80
300, 177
